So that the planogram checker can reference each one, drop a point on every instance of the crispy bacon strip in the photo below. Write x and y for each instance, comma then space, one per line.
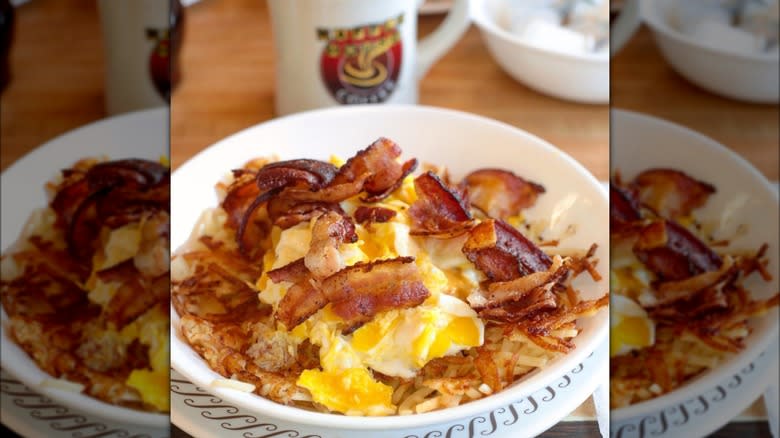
360, 291
500, 193
82, 231
379, 162
111, 193
357, 292
624, 212
373, 170
302, 300
286, 213
671, 193
406, 170
240, 195
330, 230
246, 235
270, 180
674, 253
128, 205
299, 190
293, 272
69, 197
502, 252
130, 173
365, 214
311, 174
440, 210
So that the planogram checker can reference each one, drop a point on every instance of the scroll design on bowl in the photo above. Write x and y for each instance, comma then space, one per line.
231, 418
234, 419
506, 416
58, 417
681, 414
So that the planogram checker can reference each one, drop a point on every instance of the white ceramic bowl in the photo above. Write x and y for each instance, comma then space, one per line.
581, 78
461, 141
742, 76
142, 134
641, 142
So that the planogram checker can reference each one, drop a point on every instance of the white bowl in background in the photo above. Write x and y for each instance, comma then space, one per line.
462, 142
742, 76
142, 134
577, 77
640, 142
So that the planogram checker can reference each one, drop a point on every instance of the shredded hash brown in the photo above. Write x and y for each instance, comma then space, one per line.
86, 286
525, 297
696, 299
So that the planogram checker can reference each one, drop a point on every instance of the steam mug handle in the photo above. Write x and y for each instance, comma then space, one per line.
431, 48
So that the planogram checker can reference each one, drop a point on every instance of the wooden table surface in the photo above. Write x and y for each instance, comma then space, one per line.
56, 83
642, 81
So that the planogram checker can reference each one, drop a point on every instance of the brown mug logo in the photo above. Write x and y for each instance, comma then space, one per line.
361, 64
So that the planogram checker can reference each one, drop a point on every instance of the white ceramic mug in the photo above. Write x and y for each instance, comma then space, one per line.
332, 52
137, 53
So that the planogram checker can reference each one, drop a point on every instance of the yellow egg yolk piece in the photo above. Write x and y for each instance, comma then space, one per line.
153, 387
352, 391
463, 331
631, 331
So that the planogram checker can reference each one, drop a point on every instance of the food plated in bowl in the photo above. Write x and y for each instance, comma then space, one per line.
85, 286
692, 325
61, 334
380, 292
680, 304
442, 310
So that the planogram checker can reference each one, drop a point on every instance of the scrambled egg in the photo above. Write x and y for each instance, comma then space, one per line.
395, 343
398, 342
630, 326
150, 329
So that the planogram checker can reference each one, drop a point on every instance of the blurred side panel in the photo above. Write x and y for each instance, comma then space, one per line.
694, 214
85, 218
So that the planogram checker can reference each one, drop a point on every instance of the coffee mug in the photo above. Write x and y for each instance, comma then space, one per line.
340, 52
136, 38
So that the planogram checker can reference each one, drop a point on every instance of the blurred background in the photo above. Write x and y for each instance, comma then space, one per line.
56, 74
227, 84
64, 65
644, 81
712, 67
59, 76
